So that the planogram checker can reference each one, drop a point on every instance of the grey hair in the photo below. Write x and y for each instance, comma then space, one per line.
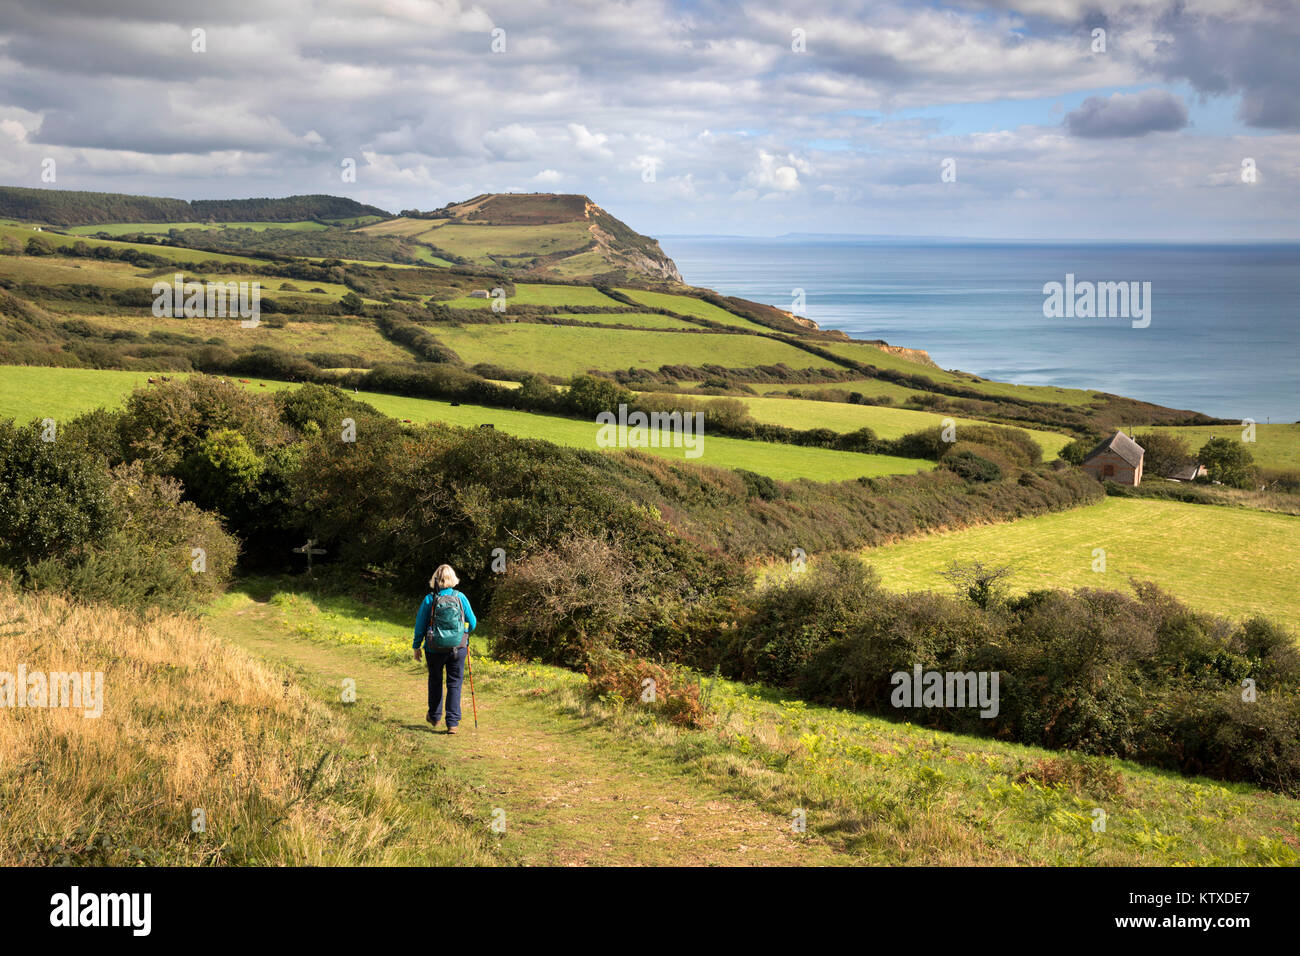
444, 577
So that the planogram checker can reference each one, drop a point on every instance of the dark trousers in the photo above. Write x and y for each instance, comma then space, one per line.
453, 662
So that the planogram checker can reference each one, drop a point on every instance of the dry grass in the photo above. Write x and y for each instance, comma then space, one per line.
191, 722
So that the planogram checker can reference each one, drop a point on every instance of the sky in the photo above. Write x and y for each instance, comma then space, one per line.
1033, 119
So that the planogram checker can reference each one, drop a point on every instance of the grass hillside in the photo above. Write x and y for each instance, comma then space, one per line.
537, 233
884, 421
1231, 561
281, 776
1275, 446
566, 350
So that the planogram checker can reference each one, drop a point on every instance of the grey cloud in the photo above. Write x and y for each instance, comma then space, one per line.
1127, 114
1251, 53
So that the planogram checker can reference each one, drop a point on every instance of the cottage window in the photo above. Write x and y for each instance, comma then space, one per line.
1108, 470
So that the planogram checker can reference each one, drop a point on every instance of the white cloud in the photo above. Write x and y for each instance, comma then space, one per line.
776, 173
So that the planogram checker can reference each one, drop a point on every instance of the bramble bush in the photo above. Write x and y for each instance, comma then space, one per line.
672, 692
1142, 677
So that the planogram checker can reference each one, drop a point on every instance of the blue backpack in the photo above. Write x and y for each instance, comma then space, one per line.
446, 624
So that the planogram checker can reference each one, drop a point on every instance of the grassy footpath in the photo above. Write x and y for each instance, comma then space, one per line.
568, 792
606, 781
1232, 561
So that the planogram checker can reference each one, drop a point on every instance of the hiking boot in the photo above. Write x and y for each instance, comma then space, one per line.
429, 718
451, 729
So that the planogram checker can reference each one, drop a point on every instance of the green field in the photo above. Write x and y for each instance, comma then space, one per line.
21, 234
568, 350
64, 393
402, 226
1231, 561
641, 320
28, 392
48, 270
872, 387
359, 338
886, 422
784, 462
689, 305
1275, 446
540, 293
871, 355
479, 242
112, 274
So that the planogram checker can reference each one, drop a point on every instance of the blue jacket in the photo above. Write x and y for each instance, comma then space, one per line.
426, 608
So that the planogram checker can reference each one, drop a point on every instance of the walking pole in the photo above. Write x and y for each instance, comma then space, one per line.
472, 699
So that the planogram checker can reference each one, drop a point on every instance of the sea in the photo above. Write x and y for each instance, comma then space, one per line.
1223, 335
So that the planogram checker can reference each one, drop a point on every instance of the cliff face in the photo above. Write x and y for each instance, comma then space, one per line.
613, 247
623, 246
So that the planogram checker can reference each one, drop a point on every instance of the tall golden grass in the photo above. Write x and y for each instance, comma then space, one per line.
190, 723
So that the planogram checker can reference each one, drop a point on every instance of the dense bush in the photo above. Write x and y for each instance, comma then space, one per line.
55, 496
563, 603
1141, 677
790, 623
1164, 453
122, 536
625, 679
1228, 462
163, 552
971, 467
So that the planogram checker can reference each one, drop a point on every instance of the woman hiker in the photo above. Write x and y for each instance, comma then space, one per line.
443, 616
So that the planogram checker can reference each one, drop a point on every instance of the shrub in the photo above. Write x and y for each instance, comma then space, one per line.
165, 423
971, 467
589, 395
565, 603
1229, 462
1079, 773
1164, 452
759, 486
162, 552
54, 493
672, 692
790, 621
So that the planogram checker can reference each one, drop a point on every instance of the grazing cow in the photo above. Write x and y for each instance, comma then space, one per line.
151, 382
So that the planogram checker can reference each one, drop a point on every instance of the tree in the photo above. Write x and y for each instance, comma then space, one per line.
1077, 450
222, 470
351, 302
1165, 452
980, 582
537, 393
590, 395
55, 496
1228, 462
